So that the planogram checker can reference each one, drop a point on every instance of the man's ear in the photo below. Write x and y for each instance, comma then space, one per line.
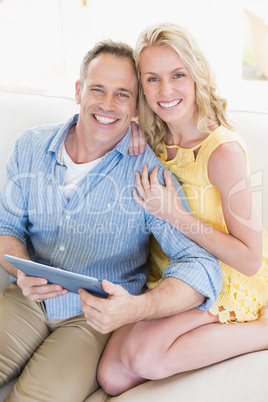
78, 90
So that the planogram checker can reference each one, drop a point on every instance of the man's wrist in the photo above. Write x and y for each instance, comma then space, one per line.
137, 311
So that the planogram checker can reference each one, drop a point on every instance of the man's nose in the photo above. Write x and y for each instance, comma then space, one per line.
107, 102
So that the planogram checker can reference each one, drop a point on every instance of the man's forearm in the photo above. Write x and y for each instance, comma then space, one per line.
12, 246
171, 297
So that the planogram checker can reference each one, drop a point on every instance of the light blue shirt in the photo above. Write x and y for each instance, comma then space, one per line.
101, 231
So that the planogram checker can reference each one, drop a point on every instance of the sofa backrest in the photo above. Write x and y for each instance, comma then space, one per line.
253, 127
22, 111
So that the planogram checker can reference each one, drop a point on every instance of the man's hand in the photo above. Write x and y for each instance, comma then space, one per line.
171, 297
38, 289
106, 315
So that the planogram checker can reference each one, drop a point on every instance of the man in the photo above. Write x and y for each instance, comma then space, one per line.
68, 203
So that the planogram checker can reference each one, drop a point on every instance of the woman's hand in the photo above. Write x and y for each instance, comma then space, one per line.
161, 201
137, 140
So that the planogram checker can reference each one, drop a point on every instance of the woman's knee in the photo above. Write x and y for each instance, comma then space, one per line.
140, 358
110, 379
106, 377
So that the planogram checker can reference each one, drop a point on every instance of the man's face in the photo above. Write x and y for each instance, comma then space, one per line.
107, 99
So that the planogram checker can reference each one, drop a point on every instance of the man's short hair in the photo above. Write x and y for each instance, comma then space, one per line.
117, 49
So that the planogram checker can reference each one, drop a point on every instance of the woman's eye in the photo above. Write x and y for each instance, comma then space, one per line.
178, 75
153, 79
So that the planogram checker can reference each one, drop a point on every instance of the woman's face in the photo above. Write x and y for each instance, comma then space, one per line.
168, 85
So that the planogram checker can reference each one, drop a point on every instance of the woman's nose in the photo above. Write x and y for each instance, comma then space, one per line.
166, 88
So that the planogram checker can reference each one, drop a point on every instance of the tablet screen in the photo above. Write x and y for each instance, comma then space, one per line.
68, 280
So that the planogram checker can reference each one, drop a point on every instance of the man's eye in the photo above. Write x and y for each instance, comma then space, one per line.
122, 95
96, 90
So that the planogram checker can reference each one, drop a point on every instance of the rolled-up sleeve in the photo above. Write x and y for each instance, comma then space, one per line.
201, 274
188, 261
13, 212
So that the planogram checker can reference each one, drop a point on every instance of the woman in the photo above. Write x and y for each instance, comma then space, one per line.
186, 124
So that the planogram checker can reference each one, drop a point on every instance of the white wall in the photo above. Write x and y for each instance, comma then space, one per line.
45, 40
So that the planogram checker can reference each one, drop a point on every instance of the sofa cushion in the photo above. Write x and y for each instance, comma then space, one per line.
234, 380
243, 378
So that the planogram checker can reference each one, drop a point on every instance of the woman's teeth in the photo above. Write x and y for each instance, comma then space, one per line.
169, 104
104, 120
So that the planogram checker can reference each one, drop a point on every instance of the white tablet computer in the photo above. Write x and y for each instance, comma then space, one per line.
68, 280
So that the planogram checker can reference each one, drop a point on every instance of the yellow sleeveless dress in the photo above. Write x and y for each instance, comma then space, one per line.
242, 297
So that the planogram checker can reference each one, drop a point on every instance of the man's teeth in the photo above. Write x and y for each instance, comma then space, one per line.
169, 104
104, 120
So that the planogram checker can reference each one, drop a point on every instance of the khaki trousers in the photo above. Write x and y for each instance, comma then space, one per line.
56, 360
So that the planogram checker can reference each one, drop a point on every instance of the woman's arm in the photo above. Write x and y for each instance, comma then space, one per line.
241, 248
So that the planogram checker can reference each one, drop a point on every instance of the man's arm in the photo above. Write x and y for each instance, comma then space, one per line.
13, 223
34, 288
12, 246
189, 262
192, 279
171, 297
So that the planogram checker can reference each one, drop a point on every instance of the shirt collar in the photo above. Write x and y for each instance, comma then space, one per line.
61, 135
123, 144
56, 144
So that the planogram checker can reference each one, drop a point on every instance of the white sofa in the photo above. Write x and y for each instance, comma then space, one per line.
244, 378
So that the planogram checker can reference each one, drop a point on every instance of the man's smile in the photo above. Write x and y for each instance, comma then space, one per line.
104, 119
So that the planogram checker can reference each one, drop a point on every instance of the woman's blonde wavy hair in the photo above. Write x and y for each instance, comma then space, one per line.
208, 103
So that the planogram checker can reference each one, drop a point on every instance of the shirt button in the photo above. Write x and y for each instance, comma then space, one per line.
68, 217
109, 205
62, 247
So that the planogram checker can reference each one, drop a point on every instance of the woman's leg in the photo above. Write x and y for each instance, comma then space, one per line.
150, 353
205, 345
142, 338
111, 374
